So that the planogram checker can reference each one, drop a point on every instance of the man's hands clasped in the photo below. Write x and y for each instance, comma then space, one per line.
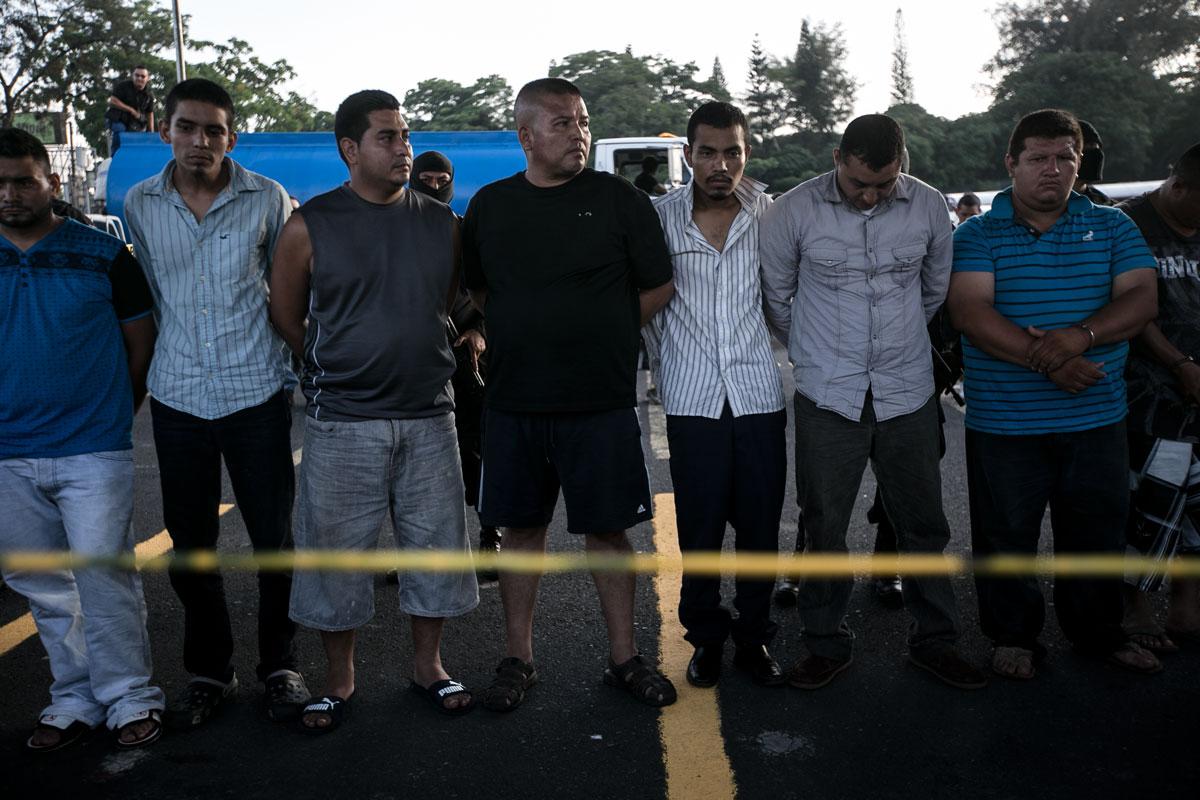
1058, 355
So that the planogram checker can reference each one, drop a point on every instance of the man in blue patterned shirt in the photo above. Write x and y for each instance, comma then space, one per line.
1047, 289
205, 228
75, 340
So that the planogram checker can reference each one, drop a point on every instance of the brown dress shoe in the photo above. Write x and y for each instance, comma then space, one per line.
815, 671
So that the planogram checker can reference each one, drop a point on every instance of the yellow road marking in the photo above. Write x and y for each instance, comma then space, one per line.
693, 749
21, 628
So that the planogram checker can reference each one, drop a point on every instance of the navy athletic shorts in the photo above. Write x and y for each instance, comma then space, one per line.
595, 458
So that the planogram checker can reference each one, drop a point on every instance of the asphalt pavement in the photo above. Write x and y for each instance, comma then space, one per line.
1082, 728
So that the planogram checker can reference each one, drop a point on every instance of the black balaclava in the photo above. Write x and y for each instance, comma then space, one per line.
432, 161
1091, 161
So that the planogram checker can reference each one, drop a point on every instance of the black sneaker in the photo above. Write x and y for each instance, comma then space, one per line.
202, 697
284, 696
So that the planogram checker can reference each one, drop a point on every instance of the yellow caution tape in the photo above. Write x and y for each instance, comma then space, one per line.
755, 565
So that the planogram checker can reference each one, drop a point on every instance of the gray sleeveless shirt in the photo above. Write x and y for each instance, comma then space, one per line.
376, 344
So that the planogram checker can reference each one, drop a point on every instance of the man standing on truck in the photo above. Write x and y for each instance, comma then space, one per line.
130, 107
567, 263
721, 392
205, 228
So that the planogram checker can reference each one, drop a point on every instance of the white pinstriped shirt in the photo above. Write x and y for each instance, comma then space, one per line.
216, 351
710, 344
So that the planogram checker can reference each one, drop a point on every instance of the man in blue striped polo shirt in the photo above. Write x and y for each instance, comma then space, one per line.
1048, 288
721, 392
205, 229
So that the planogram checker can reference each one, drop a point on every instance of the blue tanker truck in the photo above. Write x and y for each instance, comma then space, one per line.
307, 164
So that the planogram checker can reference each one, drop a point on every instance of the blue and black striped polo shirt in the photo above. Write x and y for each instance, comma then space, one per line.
64, 379
1054, 280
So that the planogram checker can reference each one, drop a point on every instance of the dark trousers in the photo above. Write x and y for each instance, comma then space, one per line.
831, 454
256, 445
729, 470
1084, 477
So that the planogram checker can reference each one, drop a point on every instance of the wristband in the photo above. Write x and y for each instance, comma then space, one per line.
1091, 333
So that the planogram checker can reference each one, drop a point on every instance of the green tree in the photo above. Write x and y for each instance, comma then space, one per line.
1142, 33
440, 104
254, 86
820, 92
716, 86
1122, 100
67, 51
764, 98
629, 95
902, 82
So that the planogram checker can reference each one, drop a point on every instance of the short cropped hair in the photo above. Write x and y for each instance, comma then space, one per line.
1048, 123
16, 143
136, 67
968, 199
531, 94
1186, 168
875, 139
717, 115
200, 90
649, 164
353, 116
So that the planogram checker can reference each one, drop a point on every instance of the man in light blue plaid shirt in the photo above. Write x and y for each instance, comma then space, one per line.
205, 229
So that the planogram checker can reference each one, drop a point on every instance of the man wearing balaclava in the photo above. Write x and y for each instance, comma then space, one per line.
433, 175
1091, 166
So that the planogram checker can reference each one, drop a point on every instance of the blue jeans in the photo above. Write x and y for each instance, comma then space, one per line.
93, 622
115, 129
354, 475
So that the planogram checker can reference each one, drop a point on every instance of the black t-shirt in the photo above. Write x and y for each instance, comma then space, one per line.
562, 268
143, 101
1156, 405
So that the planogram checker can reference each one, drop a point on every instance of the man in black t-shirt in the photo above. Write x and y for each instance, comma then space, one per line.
567, 264
1163, 383
130, 107
646, 180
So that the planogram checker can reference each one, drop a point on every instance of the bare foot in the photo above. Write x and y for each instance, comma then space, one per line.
1015, 663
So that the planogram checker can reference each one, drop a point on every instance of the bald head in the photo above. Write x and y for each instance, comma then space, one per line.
533, 96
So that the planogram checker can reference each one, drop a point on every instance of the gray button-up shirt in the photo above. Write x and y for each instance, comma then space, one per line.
850, 294
216, 351
709, 346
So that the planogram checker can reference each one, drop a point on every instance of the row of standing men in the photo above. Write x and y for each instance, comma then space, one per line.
567, 265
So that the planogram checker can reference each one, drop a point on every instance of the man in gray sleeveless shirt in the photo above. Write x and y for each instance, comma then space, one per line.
372, 267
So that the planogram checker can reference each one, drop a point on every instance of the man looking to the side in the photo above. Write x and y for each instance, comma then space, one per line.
76, 336
566, 263
130, 107
855, 264
721, 392
372, 267
1164, 410
1048, 288
205, 228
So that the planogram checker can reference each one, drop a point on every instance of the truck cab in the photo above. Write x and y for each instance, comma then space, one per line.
624, 157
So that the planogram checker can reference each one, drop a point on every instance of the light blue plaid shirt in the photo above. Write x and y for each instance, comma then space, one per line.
216, 351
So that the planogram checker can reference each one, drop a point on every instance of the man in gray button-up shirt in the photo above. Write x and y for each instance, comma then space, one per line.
855, 263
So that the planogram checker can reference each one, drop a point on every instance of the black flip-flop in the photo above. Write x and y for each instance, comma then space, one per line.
329, 704
155, 716
437, 692
67, 736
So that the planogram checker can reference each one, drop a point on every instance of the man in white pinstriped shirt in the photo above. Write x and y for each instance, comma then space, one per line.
205, 229
721, 392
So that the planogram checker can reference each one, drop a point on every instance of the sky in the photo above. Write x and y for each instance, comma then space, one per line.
339, 48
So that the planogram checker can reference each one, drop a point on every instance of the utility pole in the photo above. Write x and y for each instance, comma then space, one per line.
180, 69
